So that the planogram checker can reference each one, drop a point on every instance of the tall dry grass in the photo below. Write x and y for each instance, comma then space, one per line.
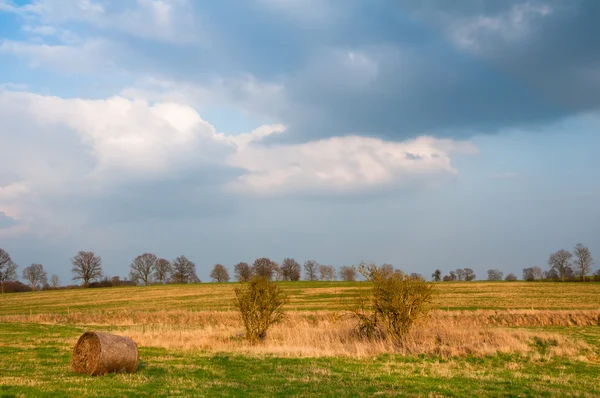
325, 333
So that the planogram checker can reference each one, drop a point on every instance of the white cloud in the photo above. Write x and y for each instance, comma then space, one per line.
341, 164
474, 33
75, 148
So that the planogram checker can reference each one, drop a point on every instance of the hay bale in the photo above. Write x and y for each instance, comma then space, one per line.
97, 353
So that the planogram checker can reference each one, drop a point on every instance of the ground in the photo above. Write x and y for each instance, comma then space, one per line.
482, 339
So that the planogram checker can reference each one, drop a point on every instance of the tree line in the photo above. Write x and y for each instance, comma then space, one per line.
147, 268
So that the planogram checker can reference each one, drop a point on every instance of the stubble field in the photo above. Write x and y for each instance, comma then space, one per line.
482, 339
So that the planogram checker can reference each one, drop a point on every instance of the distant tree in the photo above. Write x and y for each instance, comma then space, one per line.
143, 268
87, 267
311, 267
35, 275
8, 269
511, 277
263, 267
348, 273
184, 271
416, 275
54, 281
495, 275
561, 262
387, 269
597, 275
162, 270
327, 272
242, 272
447, 278
460, 274
551, 274
277, 271
116, 280
437, 275
532, 274
469, 274
453, 276
219, 273
583, 260
290, 270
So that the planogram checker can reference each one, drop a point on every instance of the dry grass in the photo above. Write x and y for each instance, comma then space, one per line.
326, 333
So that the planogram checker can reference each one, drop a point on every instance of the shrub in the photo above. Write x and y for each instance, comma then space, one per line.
259, 302
392, 305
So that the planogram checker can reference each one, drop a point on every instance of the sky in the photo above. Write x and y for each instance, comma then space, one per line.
426, 134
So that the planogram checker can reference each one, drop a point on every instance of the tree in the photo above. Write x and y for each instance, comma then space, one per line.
437, 275
327, 272
583, 260
311, 268
219, 273
290, 270
86, 267
494, 275
54, 281
460, 274
242, 272
453, 276
561, 262
386, 269
511, 277
469, 274
35, 275
416, 275
263, 267
348, 273
162, 270
447, 278
532, 273
143, 267
597, 275
184, 271
8, 269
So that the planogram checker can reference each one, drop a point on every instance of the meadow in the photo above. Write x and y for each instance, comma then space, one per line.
481, 339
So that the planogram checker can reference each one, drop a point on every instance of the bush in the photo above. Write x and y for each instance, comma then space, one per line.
393, 304
259, 302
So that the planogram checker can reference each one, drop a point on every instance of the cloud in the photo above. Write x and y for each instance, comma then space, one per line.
131, 158
341, 164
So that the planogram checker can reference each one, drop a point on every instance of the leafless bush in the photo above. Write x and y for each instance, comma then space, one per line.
392, 305
259, 302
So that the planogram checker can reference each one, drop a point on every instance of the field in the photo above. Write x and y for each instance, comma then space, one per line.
482, 339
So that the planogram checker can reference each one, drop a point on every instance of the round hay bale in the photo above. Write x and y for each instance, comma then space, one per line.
97, 353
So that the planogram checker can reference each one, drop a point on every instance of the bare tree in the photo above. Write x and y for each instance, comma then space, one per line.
290, 270
184, 271
219, 273
242, 272
263, 267
35, 275
532, 273
511, 277
416, 275
142, 268
469, 274
311, 267
561, 262
8, 269
447, 278
327, 272
437, 275
54, 281
387, 269
162, 270
583, 260
277, 271
453, 276
460, 274
348, 273
86, 267
494, 275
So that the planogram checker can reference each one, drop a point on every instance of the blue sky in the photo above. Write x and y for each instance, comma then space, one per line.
420, 133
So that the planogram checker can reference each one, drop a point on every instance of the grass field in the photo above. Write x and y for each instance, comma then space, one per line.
482, 339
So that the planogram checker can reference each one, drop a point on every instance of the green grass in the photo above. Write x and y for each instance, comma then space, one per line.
35, 362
